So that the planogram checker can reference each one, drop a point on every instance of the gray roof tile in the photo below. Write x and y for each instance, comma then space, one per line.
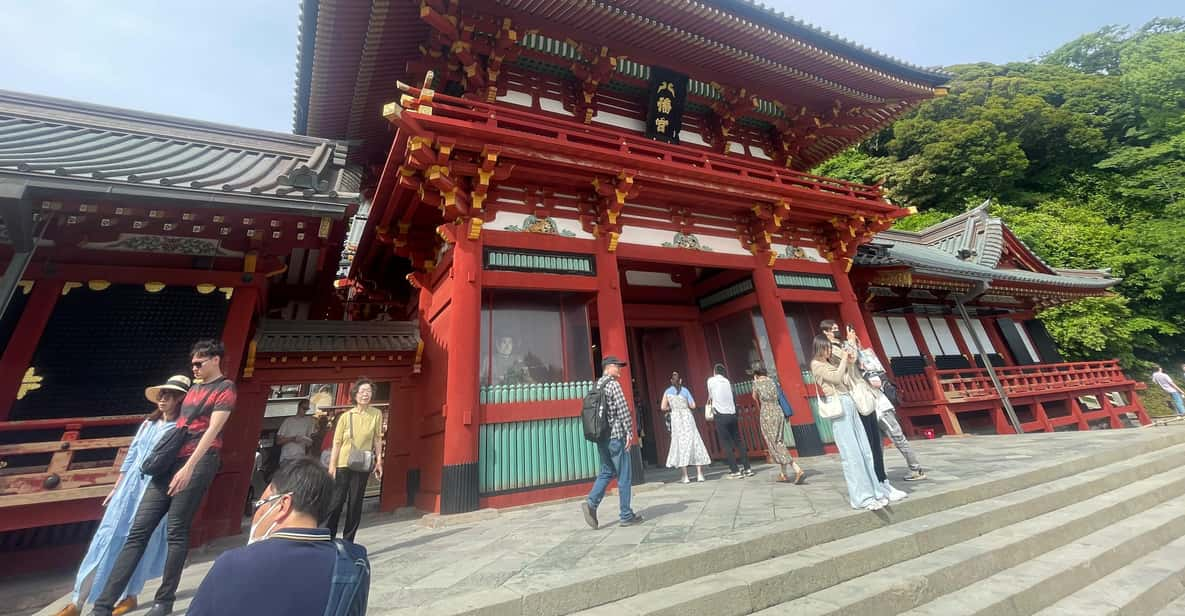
46, 137
281, 336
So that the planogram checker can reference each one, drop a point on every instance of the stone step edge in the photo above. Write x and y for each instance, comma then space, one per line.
947, 589
1143, 599
793, 576
642, 578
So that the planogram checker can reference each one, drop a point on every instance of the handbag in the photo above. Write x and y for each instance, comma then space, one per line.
359, 460
787, 410
164, 454
828, 407
709, 412
864, 396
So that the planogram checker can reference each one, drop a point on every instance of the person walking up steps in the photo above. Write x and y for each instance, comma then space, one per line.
687, 447
615, 453
1160, 377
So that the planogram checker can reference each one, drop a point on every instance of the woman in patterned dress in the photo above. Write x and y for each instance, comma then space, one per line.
773, 423
687, 447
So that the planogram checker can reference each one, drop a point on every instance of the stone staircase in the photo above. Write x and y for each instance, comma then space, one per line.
1103, 534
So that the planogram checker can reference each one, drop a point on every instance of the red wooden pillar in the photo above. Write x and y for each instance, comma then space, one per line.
849, 305
915, 330
806, 436
964, 348
18, 354
235, 332
1076, 411
459, 476
611, 318
397, 451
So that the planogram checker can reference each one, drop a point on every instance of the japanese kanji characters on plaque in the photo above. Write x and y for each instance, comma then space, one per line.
668, 95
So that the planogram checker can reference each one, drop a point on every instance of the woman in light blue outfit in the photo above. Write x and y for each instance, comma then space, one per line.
121, 505
834, 377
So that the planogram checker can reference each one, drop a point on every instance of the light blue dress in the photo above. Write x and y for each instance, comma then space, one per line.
117, 521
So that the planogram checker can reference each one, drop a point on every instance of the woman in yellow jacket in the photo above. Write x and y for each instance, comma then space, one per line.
358, 430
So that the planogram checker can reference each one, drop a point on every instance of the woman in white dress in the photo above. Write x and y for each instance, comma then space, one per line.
687, 447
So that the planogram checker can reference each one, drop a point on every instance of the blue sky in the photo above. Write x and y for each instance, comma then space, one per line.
234, 61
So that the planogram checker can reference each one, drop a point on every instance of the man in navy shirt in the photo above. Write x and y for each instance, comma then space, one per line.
286, 568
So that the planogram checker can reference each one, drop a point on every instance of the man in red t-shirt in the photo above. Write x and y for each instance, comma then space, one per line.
177, 494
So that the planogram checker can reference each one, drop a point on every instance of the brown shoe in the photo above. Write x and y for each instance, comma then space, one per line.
125, 606
70, 610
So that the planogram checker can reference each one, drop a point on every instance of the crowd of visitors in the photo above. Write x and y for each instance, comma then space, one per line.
853, 394
169, 465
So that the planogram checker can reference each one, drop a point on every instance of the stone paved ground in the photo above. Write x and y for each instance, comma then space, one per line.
539, 547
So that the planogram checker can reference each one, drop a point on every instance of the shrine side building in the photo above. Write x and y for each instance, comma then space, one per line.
484, 199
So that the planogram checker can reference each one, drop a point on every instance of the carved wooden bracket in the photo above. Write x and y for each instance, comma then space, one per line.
613, 195
595, 67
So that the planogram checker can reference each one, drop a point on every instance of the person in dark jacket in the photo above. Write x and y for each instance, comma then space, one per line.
286, 568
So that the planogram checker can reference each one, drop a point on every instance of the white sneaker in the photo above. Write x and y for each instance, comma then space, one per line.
894, 494
875, 505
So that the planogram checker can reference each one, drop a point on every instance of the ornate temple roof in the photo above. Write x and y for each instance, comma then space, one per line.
352, 53
71, 145
972, 246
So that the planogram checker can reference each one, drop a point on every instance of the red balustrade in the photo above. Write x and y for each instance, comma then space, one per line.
968, 384
481, 122
35, 469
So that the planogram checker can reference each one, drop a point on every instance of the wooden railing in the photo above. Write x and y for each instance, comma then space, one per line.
26, 476
966, 384
479, 119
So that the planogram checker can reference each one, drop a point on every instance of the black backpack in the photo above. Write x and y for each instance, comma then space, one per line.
594, 415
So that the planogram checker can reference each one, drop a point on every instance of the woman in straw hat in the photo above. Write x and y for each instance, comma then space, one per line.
121, 506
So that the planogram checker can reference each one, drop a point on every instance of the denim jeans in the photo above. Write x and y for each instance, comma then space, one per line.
615, 462
855, 454
892, 427
156, 504
1178, 402
728, 432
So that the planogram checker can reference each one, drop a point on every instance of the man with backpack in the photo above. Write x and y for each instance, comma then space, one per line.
290, 565
614, 440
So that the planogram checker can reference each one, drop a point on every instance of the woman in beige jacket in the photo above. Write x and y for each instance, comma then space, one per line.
832, 373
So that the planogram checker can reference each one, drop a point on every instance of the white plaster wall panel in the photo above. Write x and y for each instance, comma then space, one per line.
620, 121
693, 138
644, 236
552, 105
516, 98
736, 148
725, 245
904, 336
504, 219
651, 279
572, 226
884, 331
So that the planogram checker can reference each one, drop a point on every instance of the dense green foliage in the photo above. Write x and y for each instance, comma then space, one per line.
1083, 153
